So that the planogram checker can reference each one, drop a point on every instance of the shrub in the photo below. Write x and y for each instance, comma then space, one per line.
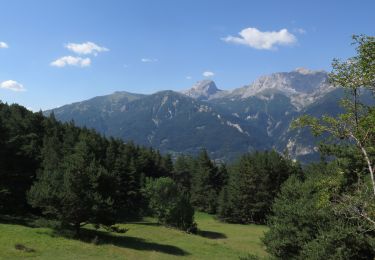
170, 207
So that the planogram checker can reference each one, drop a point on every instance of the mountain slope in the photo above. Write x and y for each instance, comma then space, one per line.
94, 113
167, 120
226, 123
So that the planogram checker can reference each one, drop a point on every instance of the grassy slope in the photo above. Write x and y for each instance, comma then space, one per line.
144, 240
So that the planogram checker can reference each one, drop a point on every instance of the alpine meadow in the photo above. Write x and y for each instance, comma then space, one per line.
187, 130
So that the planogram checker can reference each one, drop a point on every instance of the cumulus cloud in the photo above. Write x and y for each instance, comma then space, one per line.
254, 38
71, 61
12, 85
85, 48
208, 74
3, 45
148, 60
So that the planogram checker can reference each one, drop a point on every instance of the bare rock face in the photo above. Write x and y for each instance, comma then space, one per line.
203, 90
303, 86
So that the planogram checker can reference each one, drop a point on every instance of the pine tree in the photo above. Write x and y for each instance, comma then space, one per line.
75, 194
254, 182
204, 191
182, 173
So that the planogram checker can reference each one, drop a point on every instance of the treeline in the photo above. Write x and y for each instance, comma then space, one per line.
76, 176
242, 192
71, 174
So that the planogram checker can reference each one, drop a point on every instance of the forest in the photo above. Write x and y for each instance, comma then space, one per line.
70, 177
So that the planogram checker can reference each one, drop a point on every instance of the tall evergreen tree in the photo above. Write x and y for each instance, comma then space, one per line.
205, 184
74, 193
22, 133
182, 173
254, 182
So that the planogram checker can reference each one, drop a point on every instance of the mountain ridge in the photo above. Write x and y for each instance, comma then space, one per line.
227, 123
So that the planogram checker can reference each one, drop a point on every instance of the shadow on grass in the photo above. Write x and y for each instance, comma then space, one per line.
26, 221
98, 236
102, 237
211, 234
145, 223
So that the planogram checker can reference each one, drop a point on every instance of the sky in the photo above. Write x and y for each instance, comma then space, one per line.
58, 52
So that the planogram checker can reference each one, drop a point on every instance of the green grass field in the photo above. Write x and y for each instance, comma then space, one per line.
144, 240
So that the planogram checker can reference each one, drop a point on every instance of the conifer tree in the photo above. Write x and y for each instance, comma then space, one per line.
254, 182
74, 193
204, 191
182, 173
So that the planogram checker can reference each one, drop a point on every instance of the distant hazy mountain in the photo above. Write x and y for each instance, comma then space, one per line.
227, 123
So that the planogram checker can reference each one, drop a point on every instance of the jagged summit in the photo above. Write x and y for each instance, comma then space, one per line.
203, 90
302, 85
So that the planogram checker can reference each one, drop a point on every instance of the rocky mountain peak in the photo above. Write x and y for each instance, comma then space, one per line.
202, 90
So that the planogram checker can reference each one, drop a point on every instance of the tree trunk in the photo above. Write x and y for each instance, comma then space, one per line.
368, 161
77, 227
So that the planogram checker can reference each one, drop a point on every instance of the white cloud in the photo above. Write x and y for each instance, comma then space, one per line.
3, 45
12, 85
208, 74
254, 38
85, 48
188, 77
300, 30
148, 60
71, 61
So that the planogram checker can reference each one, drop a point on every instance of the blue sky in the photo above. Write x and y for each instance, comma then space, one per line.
59, 52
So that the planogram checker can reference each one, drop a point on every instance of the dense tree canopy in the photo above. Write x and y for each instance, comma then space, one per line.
208, 181
71, 174
253, 184
331, 214
305, 223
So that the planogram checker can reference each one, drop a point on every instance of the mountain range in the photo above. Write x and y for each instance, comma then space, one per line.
257, 116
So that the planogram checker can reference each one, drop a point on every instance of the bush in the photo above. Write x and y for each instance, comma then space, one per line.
305, 225
170, 207
340, 242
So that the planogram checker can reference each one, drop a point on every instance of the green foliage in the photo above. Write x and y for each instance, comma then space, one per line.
169, 206
305, 224
75, 193
21, 135
254, 182
340, 242
345, 195
356, 124
74, 175
182, 173
208, 181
